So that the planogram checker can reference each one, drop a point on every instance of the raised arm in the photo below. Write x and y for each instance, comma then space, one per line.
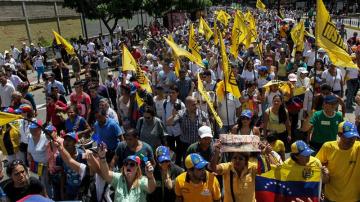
104, 168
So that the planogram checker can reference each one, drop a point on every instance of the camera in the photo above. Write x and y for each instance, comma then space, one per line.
177, 106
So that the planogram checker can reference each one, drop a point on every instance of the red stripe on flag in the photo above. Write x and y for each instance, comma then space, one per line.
266, 196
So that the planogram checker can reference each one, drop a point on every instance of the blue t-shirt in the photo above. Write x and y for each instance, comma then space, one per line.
109, 133
70, 126
73, 179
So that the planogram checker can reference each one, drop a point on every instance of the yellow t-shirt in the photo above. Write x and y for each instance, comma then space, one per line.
208, 191
278, 146
313, 162
344, 171
243, 186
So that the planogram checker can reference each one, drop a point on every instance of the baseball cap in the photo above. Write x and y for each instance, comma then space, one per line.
205, 131
194, 160
23, 108
133, 158
321, 50
300, 147
292, 77
35, 124
330, 99
9, 110
73, 135
262, 68
348, 129
50, 128
162, 154
303, 70
246, 113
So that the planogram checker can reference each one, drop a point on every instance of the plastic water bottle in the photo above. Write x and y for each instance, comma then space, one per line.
147, 163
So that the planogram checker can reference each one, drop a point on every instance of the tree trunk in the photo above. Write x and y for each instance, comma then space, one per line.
112, 28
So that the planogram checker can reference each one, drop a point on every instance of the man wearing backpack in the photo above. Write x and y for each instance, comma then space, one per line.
82, 100
174, 131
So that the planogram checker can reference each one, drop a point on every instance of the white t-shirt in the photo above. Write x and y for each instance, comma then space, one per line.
159, 105
333, 81
249, 76
91, 47
5, 94
24, 131
103, 62
302, 82
310, 55
15, 80
174, 130
38, 61
38, 151
232, 104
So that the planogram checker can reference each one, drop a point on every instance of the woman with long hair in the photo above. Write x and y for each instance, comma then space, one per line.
129, 184
245, 125
276, 120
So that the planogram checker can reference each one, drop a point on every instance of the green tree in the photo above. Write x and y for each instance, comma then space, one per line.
106, 10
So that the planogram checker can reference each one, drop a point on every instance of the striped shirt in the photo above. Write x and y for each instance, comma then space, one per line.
190, 127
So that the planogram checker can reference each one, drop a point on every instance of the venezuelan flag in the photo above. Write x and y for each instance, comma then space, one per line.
286, 183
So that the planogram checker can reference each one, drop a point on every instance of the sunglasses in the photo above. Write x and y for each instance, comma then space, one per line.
244, 118
130, 164
166, 161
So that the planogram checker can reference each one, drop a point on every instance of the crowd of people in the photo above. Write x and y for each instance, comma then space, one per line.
106, 138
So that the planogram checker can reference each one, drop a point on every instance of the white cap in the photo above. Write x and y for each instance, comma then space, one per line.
292, 77
101, 54
205, 131
321, 50
303, 70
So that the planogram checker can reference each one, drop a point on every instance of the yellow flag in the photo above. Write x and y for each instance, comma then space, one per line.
181, 52
6, 118
328, 38
252, 27
297, 35
223, 17
60, 40
177, 59
205, 30
138, 99
229, 77
238, 35
193, 45
130, 64
260, 5
216, 34
206, 97
128, 61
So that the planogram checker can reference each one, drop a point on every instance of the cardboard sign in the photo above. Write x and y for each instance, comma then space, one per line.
239, 143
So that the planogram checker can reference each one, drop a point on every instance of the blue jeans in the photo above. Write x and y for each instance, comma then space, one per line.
352, 85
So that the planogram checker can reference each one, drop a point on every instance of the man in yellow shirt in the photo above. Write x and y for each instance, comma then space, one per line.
196, 184
342, 158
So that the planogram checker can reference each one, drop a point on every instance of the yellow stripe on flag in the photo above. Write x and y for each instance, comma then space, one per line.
139, 101
60, 40
6, 118
206, 97
328, 38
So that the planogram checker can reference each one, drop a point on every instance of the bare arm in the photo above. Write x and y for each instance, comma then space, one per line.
104, 168
66, 157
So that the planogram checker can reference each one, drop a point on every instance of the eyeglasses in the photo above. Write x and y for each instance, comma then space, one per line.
16, 162
130, 164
